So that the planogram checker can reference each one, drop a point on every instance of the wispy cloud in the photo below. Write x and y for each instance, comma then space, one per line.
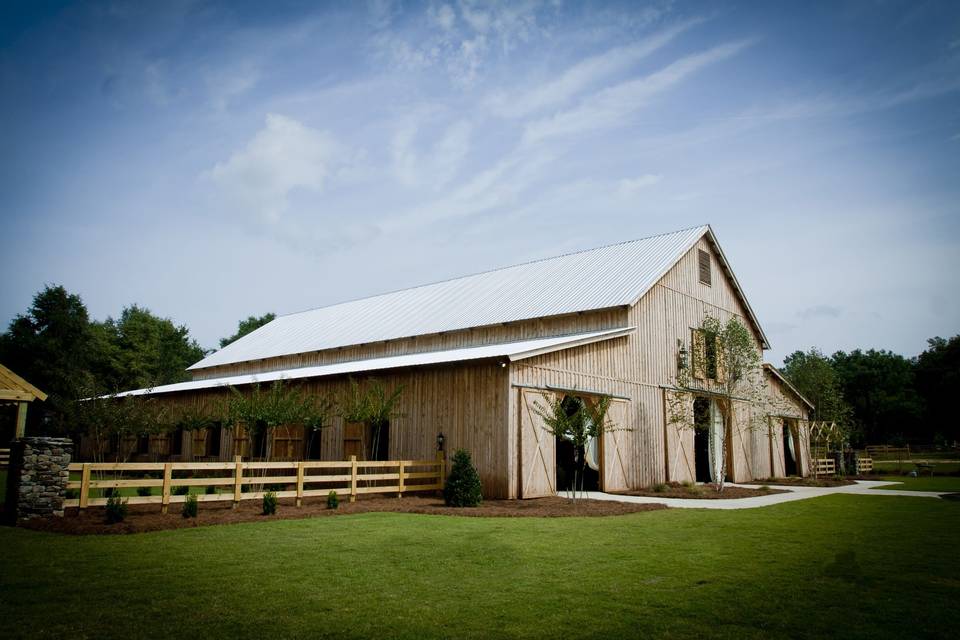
611, 106
283, 156
630, 186
820, 311
438, 164
583, 75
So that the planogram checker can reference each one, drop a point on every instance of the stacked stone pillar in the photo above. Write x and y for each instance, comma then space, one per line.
38, 476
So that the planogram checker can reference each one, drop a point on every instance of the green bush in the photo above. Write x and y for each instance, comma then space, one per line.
189, 507
116, 509
764, 487
463, 487
210, 490
269, 503
333, 500
109, 492
660, 487
181, 490
144, 491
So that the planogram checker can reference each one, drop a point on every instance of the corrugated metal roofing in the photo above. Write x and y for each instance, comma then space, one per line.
510, 350
610, 276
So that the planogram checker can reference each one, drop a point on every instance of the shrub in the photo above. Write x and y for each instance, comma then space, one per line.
463, 486
210, 490
333, 500
764, 487
275, 487
269, 503
144, 491
109, 492
686, 484
659, 487
116, 509
181, 490
190, 507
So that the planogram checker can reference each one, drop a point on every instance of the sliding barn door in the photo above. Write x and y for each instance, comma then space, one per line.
615, 458
538, 457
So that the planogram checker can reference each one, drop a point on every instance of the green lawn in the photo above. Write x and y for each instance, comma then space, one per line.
925, 483
848, 566
900, 468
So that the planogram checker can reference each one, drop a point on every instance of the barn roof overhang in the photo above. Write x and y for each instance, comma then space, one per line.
507, 351
773, 371
13, 388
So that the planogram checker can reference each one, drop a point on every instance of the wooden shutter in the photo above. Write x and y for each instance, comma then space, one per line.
287, 443
353, 440
703, 262
699, 354
538, 456
614, 449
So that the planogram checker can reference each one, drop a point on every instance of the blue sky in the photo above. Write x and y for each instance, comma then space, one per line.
214, 160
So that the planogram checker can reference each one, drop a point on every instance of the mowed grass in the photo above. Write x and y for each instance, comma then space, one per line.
848, 566
924, 483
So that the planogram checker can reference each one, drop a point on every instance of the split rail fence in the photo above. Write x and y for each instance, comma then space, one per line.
309, 478
825, 466
4, 458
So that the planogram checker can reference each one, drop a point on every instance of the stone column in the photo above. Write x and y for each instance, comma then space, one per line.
38, 476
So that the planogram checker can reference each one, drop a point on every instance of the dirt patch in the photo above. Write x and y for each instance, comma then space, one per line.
699, 492
808, 482
141, 518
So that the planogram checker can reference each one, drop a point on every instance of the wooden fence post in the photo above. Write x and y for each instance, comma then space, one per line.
400, 485
443, 469
237, 477
300, 483
165, 491
353, 478
84, 485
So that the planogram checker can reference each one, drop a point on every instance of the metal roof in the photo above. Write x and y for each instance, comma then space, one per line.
611, 276
509, 350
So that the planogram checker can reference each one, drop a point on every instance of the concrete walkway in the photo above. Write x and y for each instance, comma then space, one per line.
862, 487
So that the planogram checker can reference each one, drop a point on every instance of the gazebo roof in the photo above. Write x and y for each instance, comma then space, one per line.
14, 388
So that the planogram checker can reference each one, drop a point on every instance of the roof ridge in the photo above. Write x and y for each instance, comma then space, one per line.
504, 268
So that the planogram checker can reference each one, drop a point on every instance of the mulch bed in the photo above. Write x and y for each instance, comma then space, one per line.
809, 482
142, 518
700, 492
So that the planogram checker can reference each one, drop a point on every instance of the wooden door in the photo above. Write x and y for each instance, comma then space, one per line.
615, 460
287, 443
353, 440
538, 456
777, 465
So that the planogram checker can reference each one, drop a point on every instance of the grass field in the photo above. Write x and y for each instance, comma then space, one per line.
925, 483
850, 566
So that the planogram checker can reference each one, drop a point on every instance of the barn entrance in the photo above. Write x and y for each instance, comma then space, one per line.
572, 461
789, 450
707, 439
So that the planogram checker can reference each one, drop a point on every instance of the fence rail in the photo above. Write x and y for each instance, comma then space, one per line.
4, 458
864, 465
825, 466
357, 477
887, 450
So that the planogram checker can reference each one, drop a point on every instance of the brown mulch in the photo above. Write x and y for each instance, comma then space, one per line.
142, 518
700, 492
808, 482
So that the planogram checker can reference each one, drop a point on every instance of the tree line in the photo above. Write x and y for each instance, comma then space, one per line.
883, 397
59, 348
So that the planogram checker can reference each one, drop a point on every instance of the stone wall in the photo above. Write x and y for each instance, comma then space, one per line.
38, 476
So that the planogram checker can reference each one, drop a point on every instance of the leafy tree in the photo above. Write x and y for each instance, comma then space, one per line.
879, 385
371, 405
143, 350
937, 382
53, 347
813, 375
246, 326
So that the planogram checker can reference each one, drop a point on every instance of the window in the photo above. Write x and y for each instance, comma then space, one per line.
704, 264
143, 444
176, 442
707, 356
212, 446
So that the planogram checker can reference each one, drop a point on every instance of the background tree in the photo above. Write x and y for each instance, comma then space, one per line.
246, 326
937, 383
879, 385
813, 375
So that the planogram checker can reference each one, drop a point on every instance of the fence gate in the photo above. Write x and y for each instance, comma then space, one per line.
538, 455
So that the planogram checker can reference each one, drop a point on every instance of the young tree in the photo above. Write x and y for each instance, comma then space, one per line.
813, 375
372, 406
577, 421
244, 327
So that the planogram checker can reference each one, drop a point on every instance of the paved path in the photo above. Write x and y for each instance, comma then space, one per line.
863, 487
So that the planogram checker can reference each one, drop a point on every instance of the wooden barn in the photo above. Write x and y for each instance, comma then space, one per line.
474, 354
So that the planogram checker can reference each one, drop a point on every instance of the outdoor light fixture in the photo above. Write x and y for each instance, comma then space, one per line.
681, 356
440, 440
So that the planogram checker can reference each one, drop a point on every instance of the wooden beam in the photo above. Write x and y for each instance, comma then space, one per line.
21, 420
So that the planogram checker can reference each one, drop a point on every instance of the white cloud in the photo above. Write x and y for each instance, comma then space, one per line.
439, 164
283, 156
226, 83
442, 16
583, 75
612, 105
630, 186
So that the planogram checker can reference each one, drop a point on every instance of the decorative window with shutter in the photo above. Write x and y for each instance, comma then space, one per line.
708, 360
704, 264
699, 355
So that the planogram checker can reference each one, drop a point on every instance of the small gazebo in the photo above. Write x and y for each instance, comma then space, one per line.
16, 390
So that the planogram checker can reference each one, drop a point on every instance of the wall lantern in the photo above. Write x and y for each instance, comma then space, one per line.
681, 356
440, 440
